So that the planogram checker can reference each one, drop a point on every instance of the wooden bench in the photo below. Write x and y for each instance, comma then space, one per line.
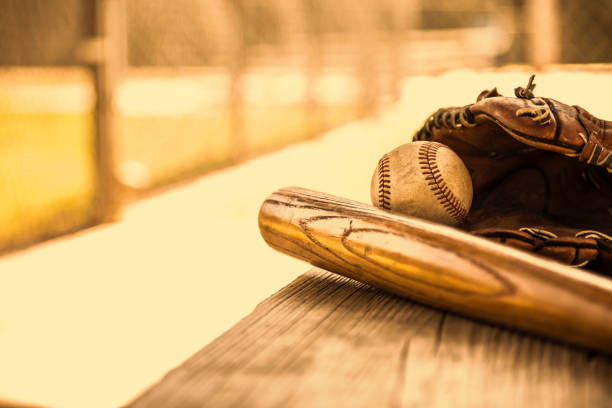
329, 341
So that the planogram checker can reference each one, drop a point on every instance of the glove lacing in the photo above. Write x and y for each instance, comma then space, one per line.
526, 93
450, 118
455, 118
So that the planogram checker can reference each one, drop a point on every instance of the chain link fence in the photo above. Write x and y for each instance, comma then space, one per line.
585, 31
102, 101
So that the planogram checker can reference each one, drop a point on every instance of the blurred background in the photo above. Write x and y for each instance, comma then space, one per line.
102, 102
107, 107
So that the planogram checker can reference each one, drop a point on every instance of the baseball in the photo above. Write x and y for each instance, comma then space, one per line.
423, 179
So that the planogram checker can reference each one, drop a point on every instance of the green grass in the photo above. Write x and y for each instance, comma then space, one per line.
47, 169
46, 174
47, 160
272, 127
172, 147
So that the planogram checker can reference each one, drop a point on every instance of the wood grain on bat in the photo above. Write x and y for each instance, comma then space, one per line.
440, 266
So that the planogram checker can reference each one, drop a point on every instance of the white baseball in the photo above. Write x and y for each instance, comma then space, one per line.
423, 179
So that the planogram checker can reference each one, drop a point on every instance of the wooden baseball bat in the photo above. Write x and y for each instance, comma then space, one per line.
440, 266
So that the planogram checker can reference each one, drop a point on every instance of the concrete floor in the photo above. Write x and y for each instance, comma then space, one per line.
94, 318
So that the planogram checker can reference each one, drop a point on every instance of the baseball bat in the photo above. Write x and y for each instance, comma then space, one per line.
440, 266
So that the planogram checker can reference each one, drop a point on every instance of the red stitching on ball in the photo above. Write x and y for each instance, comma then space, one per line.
384, 182
435, 181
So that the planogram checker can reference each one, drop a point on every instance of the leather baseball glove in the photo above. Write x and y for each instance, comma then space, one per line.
542, 173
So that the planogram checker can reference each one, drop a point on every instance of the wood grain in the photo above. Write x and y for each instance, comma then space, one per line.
440, 266
329, 341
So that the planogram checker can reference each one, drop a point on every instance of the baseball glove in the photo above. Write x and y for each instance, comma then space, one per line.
541, 170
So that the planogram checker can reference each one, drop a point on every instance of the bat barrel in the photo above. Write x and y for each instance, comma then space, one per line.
440, 266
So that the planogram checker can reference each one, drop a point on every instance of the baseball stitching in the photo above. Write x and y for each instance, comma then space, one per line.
384, 183
436, 183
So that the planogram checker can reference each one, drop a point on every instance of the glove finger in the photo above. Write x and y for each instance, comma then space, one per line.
575, 251
570, 250
603, 263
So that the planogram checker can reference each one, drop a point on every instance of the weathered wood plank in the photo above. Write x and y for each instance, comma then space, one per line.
326, 340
